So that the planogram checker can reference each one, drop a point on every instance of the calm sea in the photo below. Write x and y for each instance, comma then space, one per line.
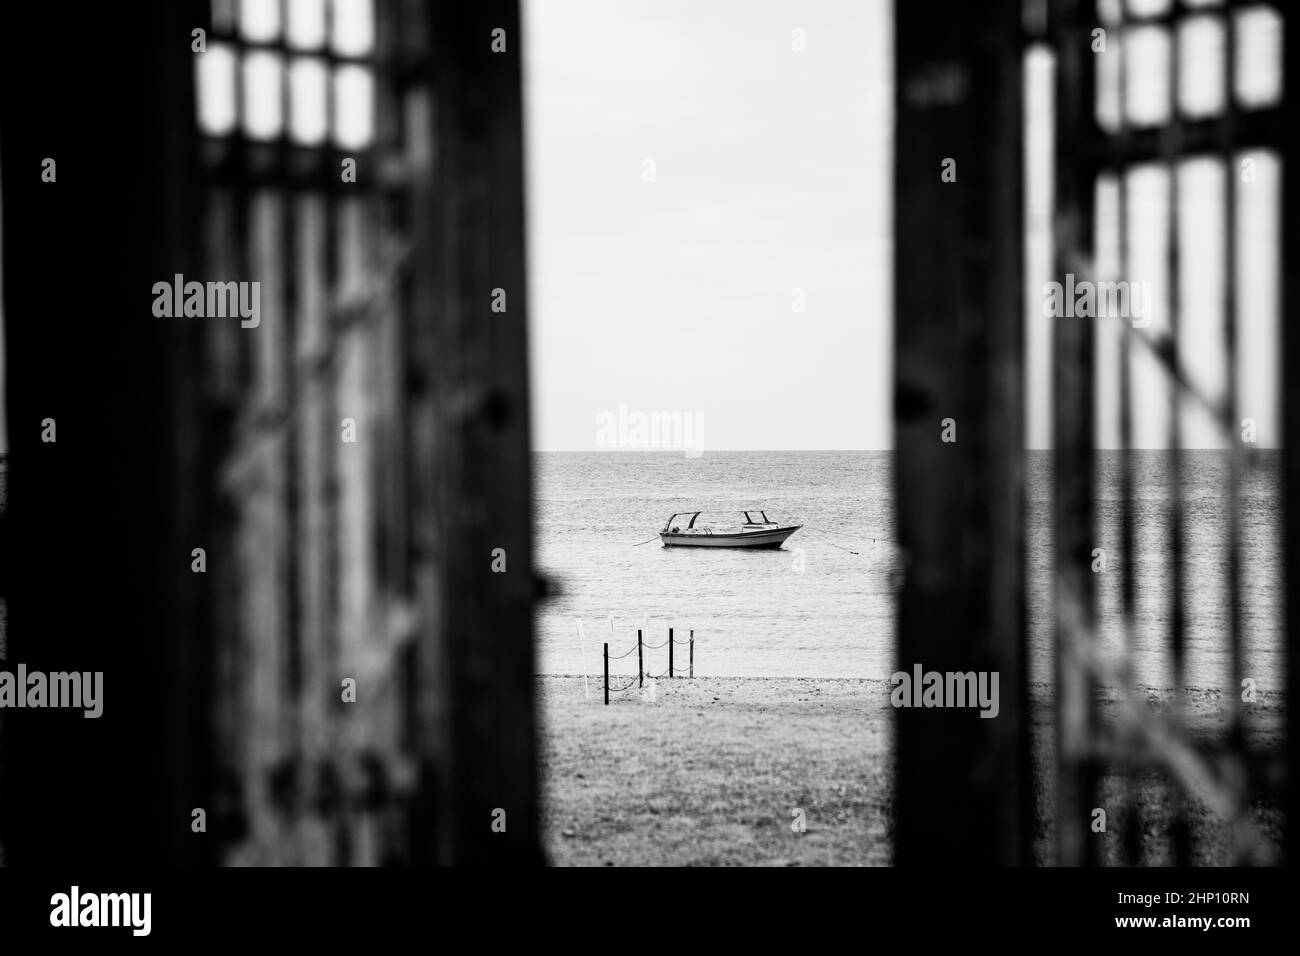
814, 609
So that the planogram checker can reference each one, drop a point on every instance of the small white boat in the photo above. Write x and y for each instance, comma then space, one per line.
752, 533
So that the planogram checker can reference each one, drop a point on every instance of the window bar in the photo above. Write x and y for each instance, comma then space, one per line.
296, 504
1240, 847
310, 443
1132, 809
292, 411
290, 300
330, 106
341, 845
1171, 151
1074, 459
1132, 847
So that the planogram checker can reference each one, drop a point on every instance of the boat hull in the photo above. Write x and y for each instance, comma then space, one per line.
772, 538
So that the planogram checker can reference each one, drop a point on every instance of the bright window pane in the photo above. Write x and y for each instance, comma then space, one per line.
1259, 56
1200, 66
263, 115
353, 106
214, 74
1146, 80
306, 24
354, 27
307, 121
259, 20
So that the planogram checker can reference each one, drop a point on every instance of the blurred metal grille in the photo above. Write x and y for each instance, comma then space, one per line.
359, 559
961, 354
1227, 770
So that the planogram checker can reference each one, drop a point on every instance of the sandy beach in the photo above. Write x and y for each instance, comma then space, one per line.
713, 771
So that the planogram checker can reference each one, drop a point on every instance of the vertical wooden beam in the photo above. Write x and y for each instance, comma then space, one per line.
317, 441
469, 380
963, 781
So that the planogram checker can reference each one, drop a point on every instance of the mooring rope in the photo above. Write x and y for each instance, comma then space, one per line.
619, 657
873, 535
874, 539
646, 541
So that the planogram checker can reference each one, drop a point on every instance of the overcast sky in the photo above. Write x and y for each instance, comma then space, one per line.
773, 174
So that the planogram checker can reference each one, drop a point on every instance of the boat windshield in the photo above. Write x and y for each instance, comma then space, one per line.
699, 522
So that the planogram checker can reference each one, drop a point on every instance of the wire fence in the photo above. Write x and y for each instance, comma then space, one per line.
674, 669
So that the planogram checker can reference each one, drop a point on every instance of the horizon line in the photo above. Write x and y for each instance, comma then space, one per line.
679, 451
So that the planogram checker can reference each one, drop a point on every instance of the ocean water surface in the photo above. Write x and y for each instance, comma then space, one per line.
815, 609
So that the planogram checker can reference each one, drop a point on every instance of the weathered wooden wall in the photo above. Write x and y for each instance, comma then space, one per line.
327, 560
371, 559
